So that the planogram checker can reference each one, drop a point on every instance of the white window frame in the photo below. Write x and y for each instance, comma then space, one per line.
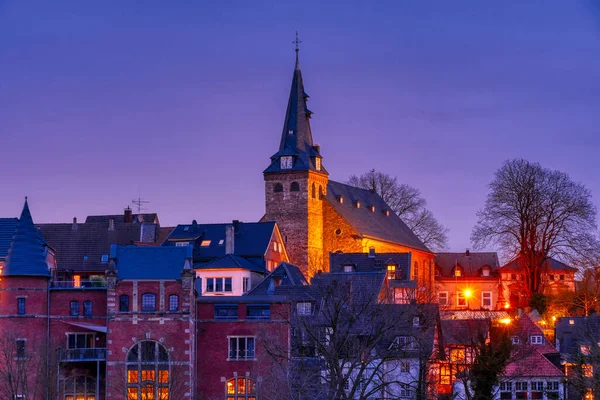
245, 284
182, 244
237, 357
214, 278
443, 296
348, 268
536, 339
304, 308
484, 298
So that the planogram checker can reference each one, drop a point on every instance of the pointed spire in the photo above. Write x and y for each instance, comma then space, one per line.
296, 138
26, 253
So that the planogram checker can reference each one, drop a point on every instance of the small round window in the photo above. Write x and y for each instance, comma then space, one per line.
338, 232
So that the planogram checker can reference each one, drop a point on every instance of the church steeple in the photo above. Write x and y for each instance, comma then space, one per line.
296, 149
26, 253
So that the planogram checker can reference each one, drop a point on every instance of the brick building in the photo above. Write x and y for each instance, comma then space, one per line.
318, 216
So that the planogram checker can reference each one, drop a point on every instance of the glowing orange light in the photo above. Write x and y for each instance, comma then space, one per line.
507, 305
543, 322
468, 293
554, 318
505, 321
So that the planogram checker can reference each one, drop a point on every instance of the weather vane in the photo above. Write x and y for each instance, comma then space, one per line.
297, 42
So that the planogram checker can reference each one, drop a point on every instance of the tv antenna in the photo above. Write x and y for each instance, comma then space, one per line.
139, 203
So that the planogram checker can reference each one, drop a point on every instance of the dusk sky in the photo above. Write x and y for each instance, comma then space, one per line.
183, 101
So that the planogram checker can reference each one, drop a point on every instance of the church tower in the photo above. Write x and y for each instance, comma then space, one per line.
296, 183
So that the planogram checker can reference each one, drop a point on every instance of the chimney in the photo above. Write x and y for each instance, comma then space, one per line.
128, 215
372, 252
229, 239
317, 148
74, 227
236, 226
111, 224
467, 253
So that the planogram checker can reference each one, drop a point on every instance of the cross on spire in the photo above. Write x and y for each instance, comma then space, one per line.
297, 42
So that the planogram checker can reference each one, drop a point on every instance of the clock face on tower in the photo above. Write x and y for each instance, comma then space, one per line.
285, 162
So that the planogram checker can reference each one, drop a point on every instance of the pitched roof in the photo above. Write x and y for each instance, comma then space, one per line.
151, 218
291, 283
26, 252
8, 227
531, 363
364, 286
471, 263
571, 332
525, 328
250, 239
81, 246
365, 262
367, 223
150, 262
464, 331
231, 261
550, 265
296, 137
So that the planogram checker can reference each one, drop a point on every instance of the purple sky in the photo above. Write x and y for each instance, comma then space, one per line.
184, 101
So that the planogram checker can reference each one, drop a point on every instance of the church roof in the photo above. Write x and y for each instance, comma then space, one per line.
25, 255
296, 137
377, 224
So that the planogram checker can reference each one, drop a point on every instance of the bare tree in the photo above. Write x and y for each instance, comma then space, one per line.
408, 203
23, 368
534, 213
349, 347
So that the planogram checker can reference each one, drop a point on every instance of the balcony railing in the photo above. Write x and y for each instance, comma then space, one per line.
71, 284
74, 355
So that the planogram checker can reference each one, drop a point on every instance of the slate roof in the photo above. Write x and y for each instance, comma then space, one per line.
531, 363
251, 239
550, 265
80, 247
464, 331
8, 227
570, 336
296, 136
378, 225
150, 262
365, 286
25, 255
292, 283
231, 261
363, 262
471, 263
151, 218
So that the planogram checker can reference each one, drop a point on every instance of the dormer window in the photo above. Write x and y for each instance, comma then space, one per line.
340, 199
318, 163
536, 339
357, 204
391, 271
485, 271
285, 162
372, 208
205, 243
290, 131
458, 272
349, 268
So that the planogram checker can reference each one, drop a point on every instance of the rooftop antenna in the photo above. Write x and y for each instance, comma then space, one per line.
140, 203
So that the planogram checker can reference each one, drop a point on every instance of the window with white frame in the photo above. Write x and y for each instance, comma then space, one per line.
406, 342
536, 339
443, 298
486, 299
461, 301
245, 284
304, 308
182, 244
521, 390
148, 371
515, 340
241, 347
552, 390
537, 390
218, 285
173, 303
506, 390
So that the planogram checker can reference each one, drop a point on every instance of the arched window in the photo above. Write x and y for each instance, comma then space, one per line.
314, 191
148, 371
79, 388
241, 389
87, 308
148, 302
321, 194
74, 308
294, 187
278, 188
173, 303
123, 303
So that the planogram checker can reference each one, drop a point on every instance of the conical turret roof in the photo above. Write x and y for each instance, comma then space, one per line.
26, 253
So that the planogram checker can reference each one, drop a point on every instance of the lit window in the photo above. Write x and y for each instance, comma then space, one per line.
571, 322
587, 370
173, 303
304, 308
461, 301
485, 272
536, 339
21, 305
241, 389
77, 280
147, 371
445, 375
443, 298
486, 299
458, 272
589, 394
148, 302
74, 308
348, 268
457, 355
391, 271
318, 164
405, 366
415, 271
241, 348
205, 243
79, 387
